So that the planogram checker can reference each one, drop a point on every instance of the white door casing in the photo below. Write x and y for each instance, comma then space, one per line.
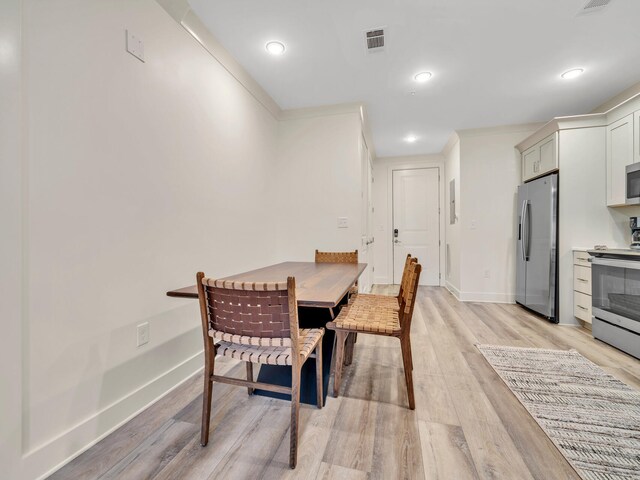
416, 216
366, 247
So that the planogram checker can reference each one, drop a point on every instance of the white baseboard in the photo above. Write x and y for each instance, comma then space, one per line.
487, 297
454, 291
68, 445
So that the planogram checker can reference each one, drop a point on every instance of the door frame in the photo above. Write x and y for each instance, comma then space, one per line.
441, 198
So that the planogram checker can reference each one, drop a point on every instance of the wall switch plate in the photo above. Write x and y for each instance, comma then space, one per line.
143, 334
135, 46
487, 274
343, 222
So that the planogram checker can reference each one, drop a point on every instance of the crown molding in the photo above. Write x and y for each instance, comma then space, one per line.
321, 111
499, 130
451, 142
181, 12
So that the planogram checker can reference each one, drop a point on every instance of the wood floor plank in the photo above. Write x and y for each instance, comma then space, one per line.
445, 452
336, 472
154, 453
397, 452
353, 435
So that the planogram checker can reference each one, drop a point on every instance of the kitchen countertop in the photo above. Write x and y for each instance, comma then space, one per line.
616, 252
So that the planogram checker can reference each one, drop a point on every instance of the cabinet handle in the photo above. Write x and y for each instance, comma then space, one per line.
582, 280
582, 308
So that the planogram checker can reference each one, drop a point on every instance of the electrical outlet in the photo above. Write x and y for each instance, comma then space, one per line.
343, 222
487, 274
143, 334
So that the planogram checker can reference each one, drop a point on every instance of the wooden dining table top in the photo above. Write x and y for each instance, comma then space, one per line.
317, 284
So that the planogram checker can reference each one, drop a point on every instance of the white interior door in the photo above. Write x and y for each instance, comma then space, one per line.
416, 223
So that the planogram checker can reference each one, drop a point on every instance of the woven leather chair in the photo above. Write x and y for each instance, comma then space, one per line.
371, 318
386, 301
339, 257
342, 257
256, 323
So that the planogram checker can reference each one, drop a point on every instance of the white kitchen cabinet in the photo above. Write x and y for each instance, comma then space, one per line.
620, 140
541, 158
530, 161
582, 286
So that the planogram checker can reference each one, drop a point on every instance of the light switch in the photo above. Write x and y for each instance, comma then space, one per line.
135, 46
343, 222
143, 334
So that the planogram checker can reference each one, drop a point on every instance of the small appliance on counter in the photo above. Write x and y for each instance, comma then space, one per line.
635, 233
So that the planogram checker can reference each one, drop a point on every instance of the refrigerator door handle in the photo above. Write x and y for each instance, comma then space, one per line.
526, 244
522, 212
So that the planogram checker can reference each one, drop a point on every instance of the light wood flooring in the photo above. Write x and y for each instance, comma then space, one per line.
467, 424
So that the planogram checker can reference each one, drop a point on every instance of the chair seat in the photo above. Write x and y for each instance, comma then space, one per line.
272, 355
368, 318
384, 301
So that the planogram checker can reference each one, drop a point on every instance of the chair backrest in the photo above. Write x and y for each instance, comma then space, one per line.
409, 294
405, 272
246, 313
337, 257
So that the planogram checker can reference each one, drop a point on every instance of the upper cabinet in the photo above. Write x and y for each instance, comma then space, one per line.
541, 158
620, 153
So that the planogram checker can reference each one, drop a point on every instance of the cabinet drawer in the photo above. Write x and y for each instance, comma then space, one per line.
581, 258
582, 279
582, 306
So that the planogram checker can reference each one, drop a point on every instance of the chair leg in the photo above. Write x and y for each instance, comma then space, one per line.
350, 345
337, 378
319, 377
206, 397
250, 376
405, 343
295, 411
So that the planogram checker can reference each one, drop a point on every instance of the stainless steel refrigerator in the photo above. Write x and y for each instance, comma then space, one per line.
537, 254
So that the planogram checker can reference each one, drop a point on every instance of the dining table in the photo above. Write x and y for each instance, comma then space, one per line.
321, 289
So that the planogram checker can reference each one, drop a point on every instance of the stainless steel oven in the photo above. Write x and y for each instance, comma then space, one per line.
633, 184
616, 301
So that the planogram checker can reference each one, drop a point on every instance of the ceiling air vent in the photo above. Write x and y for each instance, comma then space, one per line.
594, 6
375, 40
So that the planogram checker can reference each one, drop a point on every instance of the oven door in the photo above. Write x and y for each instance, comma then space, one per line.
633, 184
616, 292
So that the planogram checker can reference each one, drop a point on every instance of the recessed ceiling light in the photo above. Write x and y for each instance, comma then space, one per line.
422, 77
410, 138
275, 48
573, 73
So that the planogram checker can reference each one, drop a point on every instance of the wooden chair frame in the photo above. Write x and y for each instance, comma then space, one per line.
210, 349
341, 257
407, 305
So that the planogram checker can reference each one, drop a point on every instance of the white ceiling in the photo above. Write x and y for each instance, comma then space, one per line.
495, 62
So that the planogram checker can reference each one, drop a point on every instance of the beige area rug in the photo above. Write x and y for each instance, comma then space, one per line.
593, 418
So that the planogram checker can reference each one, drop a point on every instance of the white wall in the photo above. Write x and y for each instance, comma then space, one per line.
139, 175
585, 220
382, 217
453, 254
10, 239
318, 178
490, 172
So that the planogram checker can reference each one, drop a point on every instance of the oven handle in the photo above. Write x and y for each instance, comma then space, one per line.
616, 263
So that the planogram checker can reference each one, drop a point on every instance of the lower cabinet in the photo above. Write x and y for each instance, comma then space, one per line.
582, 286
